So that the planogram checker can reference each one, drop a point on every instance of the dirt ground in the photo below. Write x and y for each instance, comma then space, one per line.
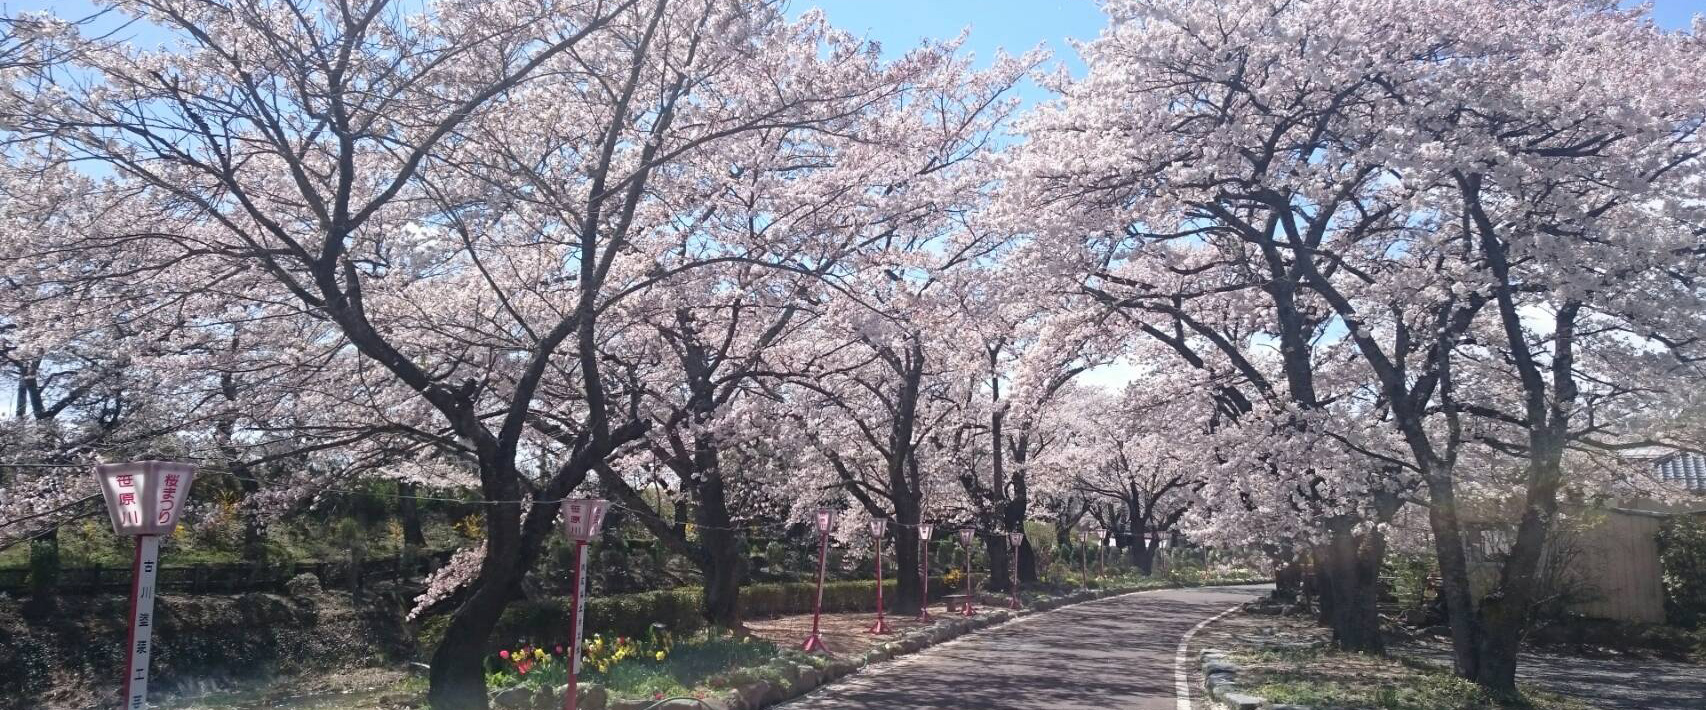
844, 634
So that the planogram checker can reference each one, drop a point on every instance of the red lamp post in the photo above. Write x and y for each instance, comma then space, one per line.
1014, 540
582, 519
965, 541
825, 521
144, 500
924, 532
877, 526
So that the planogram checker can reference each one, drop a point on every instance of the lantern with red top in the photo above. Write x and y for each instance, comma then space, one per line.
878, 525
583, 518
825, 522
965, 541
1101, 553
145, 499
1014, 540
925, 530
1084, 555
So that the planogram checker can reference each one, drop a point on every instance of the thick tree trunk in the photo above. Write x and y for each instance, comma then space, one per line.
1352, 566
1320, 586
908, 597
1288, 574
408, 511
254, 531
999, 572
1504, 612
724, 565
1027, 563
456, 678
1142, 553
1454, 576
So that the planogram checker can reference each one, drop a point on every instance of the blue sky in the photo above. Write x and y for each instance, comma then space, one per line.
1015, 25
1018, 25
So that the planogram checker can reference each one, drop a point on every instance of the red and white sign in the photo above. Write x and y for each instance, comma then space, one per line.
965, 536
878, 525
825, 521
145, 497
583, 518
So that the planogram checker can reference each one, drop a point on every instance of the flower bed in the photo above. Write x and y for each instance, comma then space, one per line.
728, 673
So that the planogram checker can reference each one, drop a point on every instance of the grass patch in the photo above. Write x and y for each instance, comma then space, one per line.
1327, 679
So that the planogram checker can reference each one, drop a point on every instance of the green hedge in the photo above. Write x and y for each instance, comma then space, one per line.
546, 620
1682, 556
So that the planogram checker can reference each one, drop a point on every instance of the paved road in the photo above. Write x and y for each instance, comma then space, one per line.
1111, 654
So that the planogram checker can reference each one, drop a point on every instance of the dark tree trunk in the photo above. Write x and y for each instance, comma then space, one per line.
1504, 612
408, 510
1142, 554
1288, 575
1454, 576
1319, 585
456, 678
999, 573
908, 598
1027, 563
254, 531
1352, 566
724, 566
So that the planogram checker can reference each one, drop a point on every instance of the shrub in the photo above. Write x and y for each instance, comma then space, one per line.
1682, 555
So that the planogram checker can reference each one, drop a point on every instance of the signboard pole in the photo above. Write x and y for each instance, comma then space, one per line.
1015, 540
814, 642
965, 541
924, 531
577, 625
1084, 547
1102, 555
882, 626
582, 519
141, 621
144, 500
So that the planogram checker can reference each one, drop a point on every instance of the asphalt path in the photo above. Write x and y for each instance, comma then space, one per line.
1110, 654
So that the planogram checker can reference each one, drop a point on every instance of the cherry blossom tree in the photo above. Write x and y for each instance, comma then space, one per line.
466, 201
1457, 195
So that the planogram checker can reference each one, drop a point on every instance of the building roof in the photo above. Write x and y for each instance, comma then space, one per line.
1684, 468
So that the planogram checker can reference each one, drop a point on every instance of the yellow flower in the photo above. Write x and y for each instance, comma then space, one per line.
659, 655
539, 653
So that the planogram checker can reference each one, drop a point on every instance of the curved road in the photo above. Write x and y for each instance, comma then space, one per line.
1114, 653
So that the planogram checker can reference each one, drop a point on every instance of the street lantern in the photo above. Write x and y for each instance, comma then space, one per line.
1084, 554
583, 518
925, 530
825, 522
1101, 553
1014, 540
965, 541
877, 527
145, 499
